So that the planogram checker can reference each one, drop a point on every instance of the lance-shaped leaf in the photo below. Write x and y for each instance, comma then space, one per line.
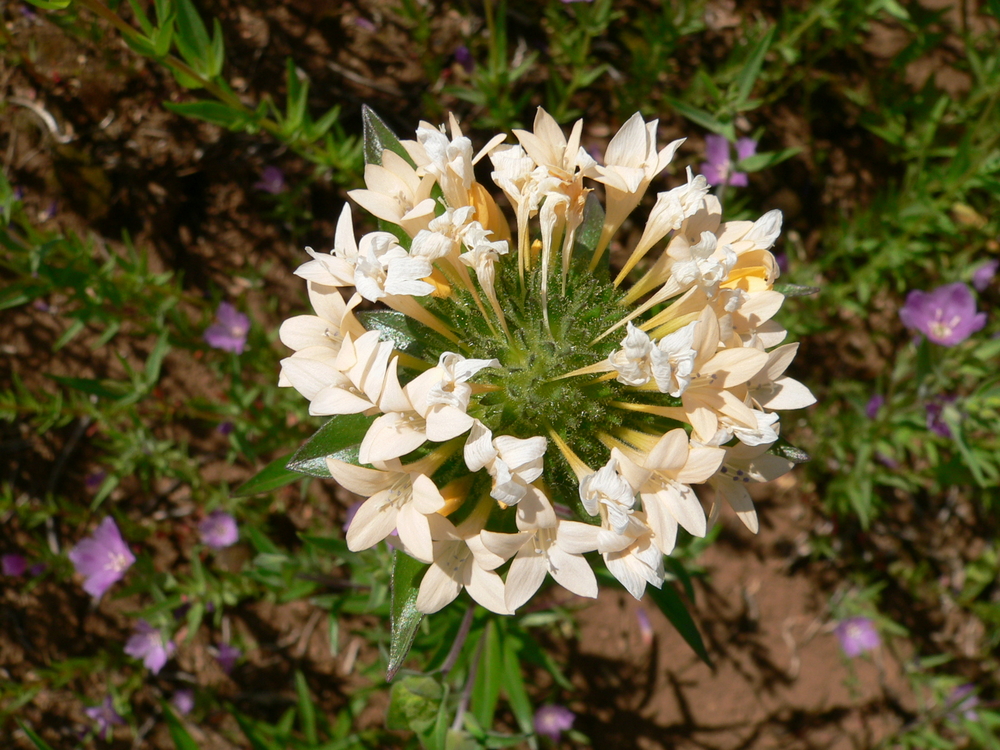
379, 137
671, 604
404, 616
796, 290
406, 334
336, 438
271, 477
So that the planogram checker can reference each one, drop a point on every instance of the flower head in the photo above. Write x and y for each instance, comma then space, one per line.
874, 405
272, 180
857, 635
552, 720
13, 565
963, 702
102, 559
229, 332
219, 530
148, 644
183, 701
104, 717
946, 315
983, 275
505, 364
718, 168
227, 656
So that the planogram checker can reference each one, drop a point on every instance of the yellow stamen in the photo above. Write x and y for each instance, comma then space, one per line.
575, 462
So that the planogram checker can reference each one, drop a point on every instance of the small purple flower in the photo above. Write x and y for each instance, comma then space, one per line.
947, 315
935, 416
94, 480
227, 656
983, 275
229, 332
552, 721
105, 716
219, 530
364, 23
272, 180
225, 428
102, 559
183, 701
718, 168
646, 634
464, 58
13, 565
875, 403
149, 645
857, 635
963, 700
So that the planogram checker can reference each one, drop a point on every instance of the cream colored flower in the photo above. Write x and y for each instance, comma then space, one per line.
349, 382
770, 388
742, 465
461, 560
397, 194
663, 477
400, 498
514, 463
544, 544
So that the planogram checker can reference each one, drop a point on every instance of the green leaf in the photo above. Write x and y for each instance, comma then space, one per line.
111, 389
297, 92
379, 137
796, 290
192, 37
486, 691
414, 702
217, 52
50, 5
671, 604
789, 451
676, 567
182, 740
703, 118
513, 686
751, 68
757, 162
37, 741
19, 294
216, 113
405, 333
339, 434
404, 616
268, 479
307, 711
257, 740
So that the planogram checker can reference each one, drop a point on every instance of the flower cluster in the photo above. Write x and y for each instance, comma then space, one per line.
518, 402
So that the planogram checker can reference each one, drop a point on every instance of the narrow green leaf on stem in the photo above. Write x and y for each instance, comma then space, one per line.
182, 740
404, 615
268, 479
671, 604
379, 137
339, 434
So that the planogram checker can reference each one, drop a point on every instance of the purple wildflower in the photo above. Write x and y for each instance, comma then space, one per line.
646, 633
227, 656
94, 480
947, 315
552, 721
272, 180
963, 700
13, 565
183, 701
219, 530
105, 716
935, 416
983, 275
225, 428
875, 403
464, 58
718, 168
102, 559
229, 332
149, 645
857, 635
365, 24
